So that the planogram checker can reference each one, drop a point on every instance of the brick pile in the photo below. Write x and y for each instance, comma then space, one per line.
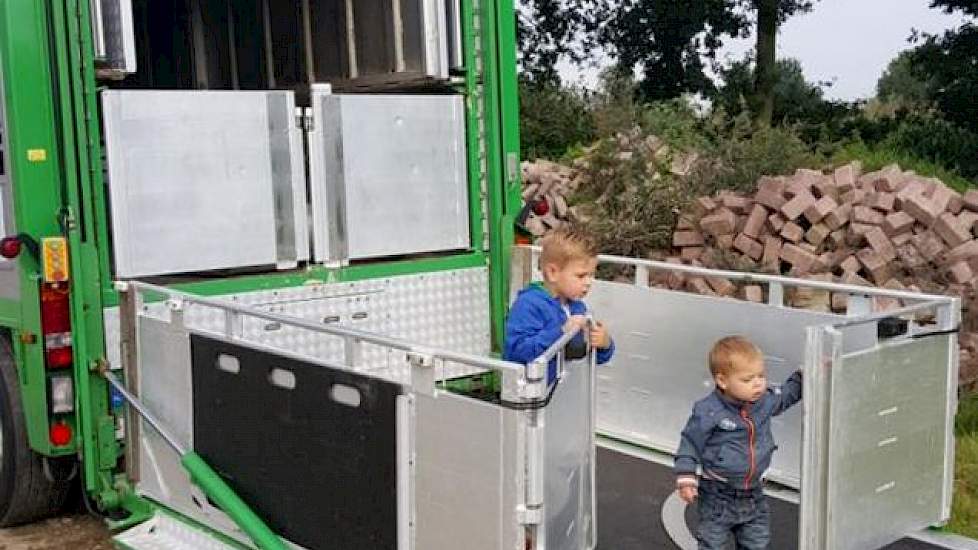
887, 228
546, 187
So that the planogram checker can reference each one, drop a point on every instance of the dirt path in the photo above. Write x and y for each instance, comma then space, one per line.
77, 532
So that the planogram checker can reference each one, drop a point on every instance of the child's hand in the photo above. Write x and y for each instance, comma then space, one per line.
599, 336
688, 493
575, 322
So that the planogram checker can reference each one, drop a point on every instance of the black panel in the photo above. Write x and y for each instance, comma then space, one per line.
321, 473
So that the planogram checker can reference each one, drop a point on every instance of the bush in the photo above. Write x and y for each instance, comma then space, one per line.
938, 141
553, 119
874, 158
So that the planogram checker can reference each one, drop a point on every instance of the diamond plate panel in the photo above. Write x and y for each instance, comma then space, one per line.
448, 309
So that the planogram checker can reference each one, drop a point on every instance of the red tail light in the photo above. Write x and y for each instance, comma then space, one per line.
61, 434
56, 325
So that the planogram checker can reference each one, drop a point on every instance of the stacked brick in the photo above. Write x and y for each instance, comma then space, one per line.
546, 186
886, 228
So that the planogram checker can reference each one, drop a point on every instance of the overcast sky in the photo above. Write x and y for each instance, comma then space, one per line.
848, 42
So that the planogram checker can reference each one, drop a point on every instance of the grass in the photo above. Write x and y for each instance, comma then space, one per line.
874, 158
964, 514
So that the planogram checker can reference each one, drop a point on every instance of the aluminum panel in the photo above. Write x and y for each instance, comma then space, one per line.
203, 180
886, 453
660, 368
392, 175
569, 465
463, 483
448, 309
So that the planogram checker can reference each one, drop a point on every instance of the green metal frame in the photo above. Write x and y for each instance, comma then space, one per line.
51, 105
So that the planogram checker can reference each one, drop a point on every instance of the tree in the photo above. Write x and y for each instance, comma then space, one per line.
667, 40
950, 62
793, 99
549, 30
905, 83
770, 15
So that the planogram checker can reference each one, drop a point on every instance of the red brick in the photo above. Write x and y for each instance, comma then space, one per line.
753, 293
930, 185
776, 221
902, 238
876, 266
852, 278
794, 208
963, 251
967, 219
774, 184
970, 200
755, 222
722, 286
687, 238
684, 223
960, 272
817, 234
699, 286
703, 206
792, 232
956, 204
929, 245
809, 247
910, 257
840, 302
770, 198
866, 215
749, 246
772, 250
854, 196
857, 233
881, 201
881, 244
725, 242
920, 209
846, 176
837, 238
820, 209
723, 222
691, 253
839, 217
948, 229
897, 222
850, 264
800, 259
736, 203
941, 197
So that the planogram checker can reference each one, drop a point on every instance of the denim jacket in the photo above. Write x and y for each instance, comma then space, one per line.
731, 440
536, 321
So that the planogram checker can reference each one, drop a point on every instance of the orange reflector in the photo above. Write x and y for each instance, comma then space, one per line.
54, 257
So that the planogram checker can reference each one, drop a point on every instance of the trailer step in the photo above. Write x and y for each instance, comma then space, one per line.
164, 532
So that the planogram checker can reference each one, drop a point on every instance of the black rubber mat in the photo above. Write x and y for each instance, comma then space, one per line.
631, 492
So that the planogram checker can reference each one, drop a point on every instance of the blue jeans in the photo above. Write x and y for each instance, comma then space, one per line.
725, 511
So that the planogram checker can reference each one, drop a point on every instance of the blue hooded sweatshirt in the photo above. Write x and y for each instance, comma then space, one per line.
536, 321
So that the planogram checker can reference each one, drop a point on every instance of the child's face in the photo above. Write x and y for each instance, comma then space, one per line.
573, 280
746, 382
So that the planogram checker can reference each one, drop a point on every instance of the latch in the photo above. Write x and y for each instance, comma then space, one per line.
423, 367
304, 119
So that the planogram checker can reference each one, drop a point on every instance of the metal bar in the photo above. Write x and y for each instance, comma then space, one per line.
916, 308
761, 278
310, 58
269, 54
398, 22
98, 29
395, 343
556, 347
351, 41
149, 417
232, 47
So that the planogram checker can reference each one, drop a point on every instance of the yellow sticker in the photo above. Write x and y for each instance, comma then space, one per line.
55, 259
37, 155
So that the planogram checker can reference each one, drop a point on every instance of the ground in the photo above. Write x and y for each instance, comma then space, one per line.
77, 532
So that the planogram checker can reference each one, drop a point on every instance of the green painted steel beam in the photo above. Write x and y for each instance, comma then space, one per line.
34, 161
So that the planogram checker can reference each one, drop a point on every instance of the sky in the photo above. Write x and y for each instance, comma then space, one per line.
847, 42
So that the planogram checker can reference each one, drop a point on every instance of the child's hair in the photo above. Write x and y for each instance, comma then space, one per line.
730, 352
567, 244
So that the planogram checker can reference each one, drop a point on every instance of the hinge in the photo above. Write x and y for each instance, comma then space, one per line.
304, 120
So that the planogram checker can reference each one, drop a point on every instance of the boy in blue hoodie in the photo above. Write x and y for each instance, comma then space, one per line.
544, 311
729, 438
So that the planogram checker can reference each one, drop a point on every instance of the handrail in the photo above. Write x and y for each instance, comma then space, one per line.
764, 278
348, 333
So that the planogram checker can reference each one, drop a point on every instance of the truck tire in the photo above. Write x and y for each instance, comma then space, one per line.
27, 492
